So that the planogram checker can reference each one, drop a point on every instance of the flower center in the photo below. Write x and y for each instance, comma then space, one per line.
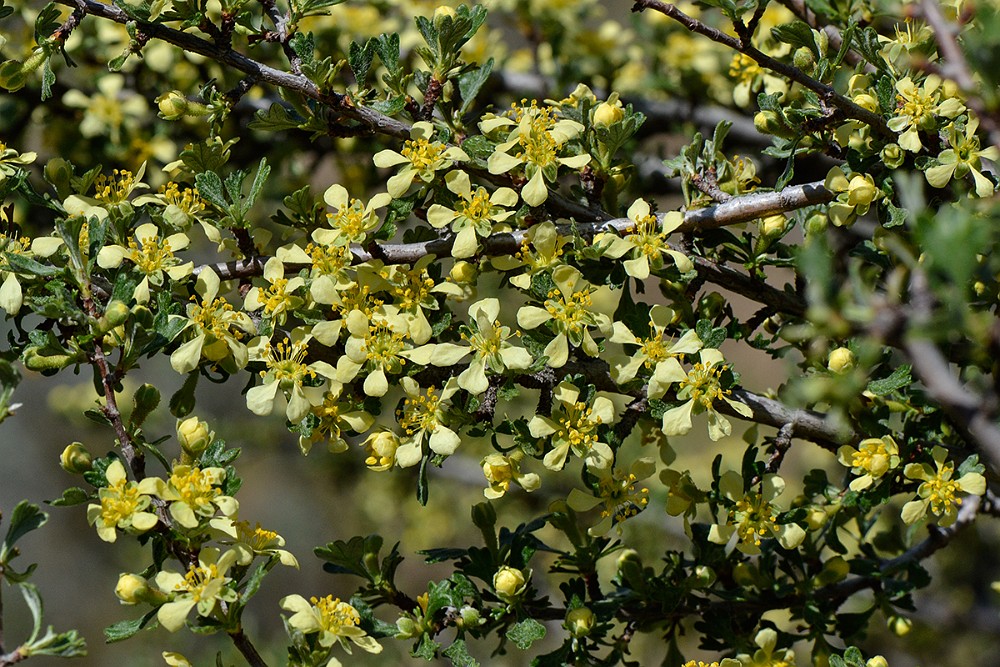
195, 488
382, 347
286, 361
621, 499
423, 154
420, 413
702, 384
116, 188
571, 314
755, 518
198, 580
121, 502
579, 427
334, 615
152, 256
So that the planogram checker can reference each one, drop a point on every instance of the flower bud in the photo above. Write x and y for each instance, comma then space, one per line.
115, 315
770, 122
816, 518
131, 588
468, 617
173, 105
840, 360
877, 661
509, 583
804, 58
464, 273
899, 625
407, 628
145, 400
773, 225
866, 102
861, 190
744, 574
442, 12
194, 435
607, 114
892, 155
579, 621
816, 223
381, 447
704, 576
76, 459
58, 172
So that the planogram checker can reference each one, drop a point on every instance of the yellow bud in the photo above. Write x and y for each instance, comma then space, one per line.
172, 105
803, 58
579, 621
899, 625
608, 114
381, 447
131, 588
892, 155
509, 583
771, 122
115, 315
75, 459
866, 102
861, 190
464, 273
840, 360
816, 518
194, 435
443, 11
773, 225
877, 661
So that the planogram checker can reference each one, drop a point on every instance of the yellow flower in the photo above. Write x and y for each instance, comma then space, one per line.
353, 221
615, 489
122, 505
752, 516
510, 583
938, 492
766, 655
333, 621
542, 250
656, 354
423, 418
276, 300
378, 346
574, 427
475, 214
248, 542
699, 390
218, 330
381, 447
535, 142
194, 494
503, 469
963, 158
203, 586
873, 458
917, 108
422, 157
567, 313
151, 255
290, 384
647, 244
328, 419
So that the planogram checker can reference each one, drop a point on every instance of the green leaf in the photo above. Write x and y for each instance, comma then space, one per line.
48, 78
389, 107
526, 633
352, 557
125, 629
900, 378
275, 119
360, 59
46, 22
26, 266
478, 147
470, 83
263, 171
34, 602
182, 402
797, 34
71, 496
210, 188
426, 649
304, 46
388, 51
25, 518
712, 337
458, 653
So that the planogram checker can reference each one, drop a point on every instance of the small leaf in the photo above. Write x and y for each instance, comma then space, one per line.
25, 518
210, 188
900, 378
526, 633
71, 496
458, 653
125, 629
276, 118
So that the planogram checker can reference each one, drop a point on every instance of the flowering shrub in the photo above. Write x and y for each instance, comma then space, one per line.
423, 240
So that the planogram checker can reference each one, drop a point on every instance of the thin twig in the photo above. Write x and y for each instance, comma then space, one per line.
826, 92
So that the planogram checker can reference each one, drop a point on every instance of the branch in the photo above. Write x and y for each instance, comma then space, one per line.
971, 414
846, 106
247, 649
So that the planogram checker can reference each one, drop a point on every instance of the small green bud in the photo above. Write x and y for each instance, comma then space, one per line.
484, 517
816, 223
771, 122
710, 305
115, 315
744, 574
892, 155
143, 316
194, 435
407, 628
58, 172
579, 621
840, 360
509, 583
468, 617
75, 459
704, 576
804, 58
34, 361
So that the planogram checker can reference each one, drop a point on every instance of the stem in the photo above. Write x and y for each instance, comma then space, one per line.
245, 647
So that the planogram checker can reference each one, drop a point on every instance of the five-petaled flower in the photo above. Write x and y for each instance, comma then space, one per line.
194, 494
568, 314
290, 383
218, 329
423, 418
152, 256
872, 459
475, 213
751, 515
123, 504
331, 620
656, 354
699, 390
646, 242
421, 157
615, 490
938, 492
203, 586
573, 427
502, 470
